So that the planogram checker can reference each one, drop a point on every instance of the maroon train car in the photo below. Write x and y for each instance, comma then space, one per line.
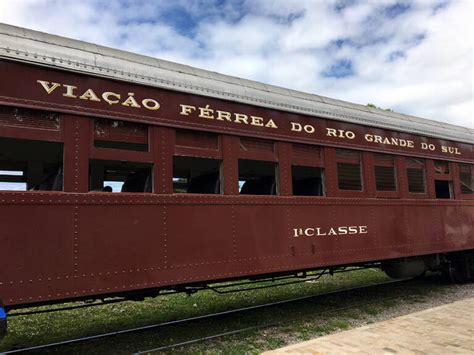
122, 174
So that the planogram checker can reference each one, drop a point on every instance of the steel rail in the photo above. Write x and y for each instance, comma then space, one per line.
219, 335
202, 317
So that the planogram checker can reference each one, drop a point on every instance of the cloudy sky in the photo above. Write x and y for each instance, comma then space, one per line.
415, 57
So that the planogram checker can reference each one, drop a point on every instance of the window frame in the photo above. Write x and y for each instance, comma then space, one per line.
426, 178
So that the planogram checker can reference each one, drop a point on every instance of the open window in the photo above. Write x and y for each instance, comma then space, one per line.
257, 177
466, 178
196, 175
31, 165
443, 180
118, 176
307, 181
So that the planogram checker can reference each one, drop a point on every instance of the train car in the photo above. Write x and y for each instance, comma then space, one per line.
122, 174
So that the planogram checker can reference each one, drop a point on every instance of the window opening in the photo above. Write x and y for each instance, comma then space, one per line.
116, 176
30, 165
443, 189
257, 177
441, 167
416, 175
466, 177
196, 175
307, 181
113, 134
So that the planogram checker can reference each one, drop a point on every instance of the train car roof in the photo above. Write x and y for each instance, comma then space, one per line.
40, 48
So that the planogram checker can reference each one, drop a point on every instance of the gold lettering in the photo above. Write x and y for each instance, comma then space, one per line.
49, 89
206, 112
309, 232
89, 95
186, 110
318, 231
69, 91
256, 121
223, 115
130, 101
331, 132
151, 104
106, 96
271, 124
296, 127
240, 117
353, 229
369, 138
342, 230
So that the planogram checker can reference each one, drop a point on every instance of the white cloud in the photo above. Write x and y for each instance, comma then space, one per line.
290, 43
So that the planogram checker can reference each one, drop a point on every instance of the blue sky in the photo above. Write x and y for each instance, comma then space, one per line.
415, 57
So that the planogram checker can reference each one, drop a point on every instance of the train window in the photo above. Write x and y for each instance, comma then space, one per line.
441, 167
443, 189
115, 134
31, 165
307, 181
196, 175
466, 177
416, 175
120, 176
257, 177
349, 172
384, 168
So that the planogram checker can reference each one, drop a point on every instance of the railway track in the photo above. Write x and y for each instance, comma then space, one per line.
216, 315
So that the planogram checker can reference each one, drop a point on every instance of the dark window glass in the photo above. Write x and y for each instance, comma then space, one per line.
466, 177
257, 177
307, 181
349, 176
196, 175
385, 178
31, 165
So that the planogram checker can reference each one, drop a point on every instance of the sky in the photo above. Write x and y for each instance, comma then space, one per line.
414, 57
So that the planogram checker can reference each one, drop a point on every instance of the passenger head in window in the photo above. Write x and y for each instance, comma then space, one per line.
136, 181
107, 189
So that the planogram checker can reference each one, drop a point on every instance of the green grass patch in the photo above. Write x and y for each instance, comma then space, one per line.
289, 322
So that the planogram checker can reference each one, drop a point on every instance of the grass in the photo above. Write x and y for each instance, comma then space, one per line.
290, 322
